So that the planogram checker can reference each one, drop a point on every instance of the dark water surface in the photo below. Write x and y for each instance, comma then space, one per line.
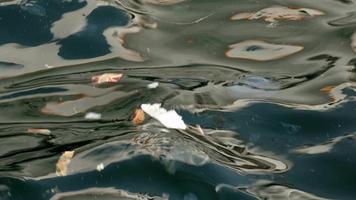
266, 89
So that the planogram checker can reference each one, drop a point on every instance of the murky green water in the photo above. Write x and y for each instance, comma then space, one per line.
265, 91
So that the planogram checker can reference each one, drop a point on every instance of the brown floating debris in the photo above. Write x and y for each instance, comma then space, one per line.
326, 89
260, 50
139, 116
106, 78
40, 131
275, 13
64, 160
329, 90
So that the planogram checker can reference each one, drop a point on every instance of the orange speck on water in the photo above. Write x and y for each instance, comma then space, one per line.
139, 116
106, 78
326, 89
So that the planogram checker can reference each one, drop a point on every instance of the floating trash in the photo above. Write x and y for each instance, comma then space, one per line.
40, 131
275, 13
106, 78
139, 116
153, 85
92, 116
169, 119
199, 129
100, 167
327, 89
260, 50
64, 160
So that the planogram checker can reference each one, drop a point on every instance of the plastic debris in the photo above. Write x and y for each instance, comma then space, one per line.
63, 161
153, 85
169, 119
92, 116
100, 167
275, 13
199, 129
139, 116
40, 131
327, 89
48, 66
260, 50
107, 78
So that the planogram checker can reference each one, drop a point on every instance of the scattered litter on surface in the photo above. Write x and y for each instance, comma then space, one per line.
139, 116
40, 131
200, 130
92, 116
100, 167
326, 89
169, 119
153, 85
107, 78
48, 66
63, 161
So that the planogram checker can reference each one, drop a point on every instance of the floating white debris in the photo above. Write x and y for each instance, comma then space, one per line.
40, 131
260, 50
48, 66
63, 161
100, 167
153, 85
200, 130
106, 78
169, 119
92, 116
274, 13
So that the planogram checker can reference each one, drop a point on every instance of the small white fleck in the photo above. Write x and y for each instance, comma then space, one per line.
153, 85
92, 115
48, 66
100, 167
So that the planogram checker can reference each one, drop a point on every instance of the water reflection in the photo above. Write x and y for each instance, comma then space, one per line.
91, 90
